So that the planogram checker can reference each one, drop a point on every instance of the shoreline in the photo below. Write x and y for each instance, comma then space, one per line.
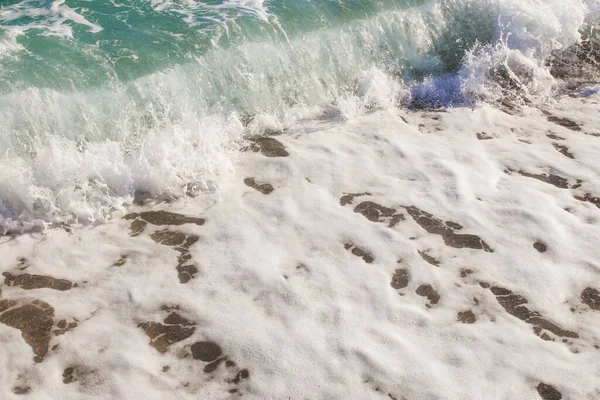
396, 255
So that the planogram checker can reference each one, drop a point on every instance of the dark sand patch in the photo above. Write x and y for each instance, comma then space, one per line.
400, 279
591, 297
168, 238
349, 198
564, 122
68, 375
242, 374
446, 230
34, 320
465, 272
372, 211
63, 327
466, 317
29, 282
430, 259
160, 218
541, 247
358, 252
267, 146
428, 291
211, 353
21, 389
182, 243
552, 179
548, 392
174, 329
120, 262
484, 136
264, 188
6, 304
378, 213
590, 199
176, 319
169, 308
212, 367
80, 373
206, 351
137, 227
186, 273
564, 150
514, 305
554, 136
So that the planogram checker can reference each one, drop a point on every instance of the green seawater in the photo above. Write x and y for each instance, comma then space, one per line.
100, 99
79, 44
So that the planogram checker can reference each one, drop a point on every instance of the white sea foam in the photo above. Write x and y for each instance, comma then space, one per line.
526, 33
256, 7
61, 165
166, 129
190, 9
283, 297
9, 47
276, 287
51, 18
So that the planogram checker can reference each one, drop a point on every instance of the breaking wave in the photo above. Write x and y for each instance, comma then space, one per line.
99, 101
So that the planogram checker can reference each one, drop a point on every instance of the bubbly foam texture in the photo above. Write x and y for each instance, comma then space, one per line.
525, 34
9, 46
285, 288
51, 17
57, 178
194, 11
78, 154
254, 6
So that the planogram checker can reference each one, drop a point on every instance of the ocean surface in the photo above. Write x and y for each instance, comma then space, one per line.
294, 199
100, 100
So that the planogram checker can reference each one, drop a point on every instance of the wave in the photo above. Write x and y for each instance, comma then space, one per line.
84, 131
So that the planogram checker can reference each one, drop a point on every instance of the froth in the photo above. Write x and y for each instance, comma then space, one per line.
80, 155
51, 18
77, 158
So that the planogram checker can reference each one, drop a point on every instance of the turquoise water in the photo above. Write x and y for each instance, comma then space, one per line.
99, 99
81, 44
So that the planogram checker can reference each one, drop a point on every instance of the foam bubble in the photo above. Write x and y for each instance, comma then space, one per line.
9, 47
77, 155
254, 6
52, 18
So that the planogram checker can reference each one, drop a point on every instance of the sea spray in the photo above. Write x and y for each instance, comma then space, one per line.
100, 100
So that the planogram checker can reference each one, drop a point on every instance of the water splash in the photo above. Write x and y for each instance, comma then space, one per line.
98, 103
